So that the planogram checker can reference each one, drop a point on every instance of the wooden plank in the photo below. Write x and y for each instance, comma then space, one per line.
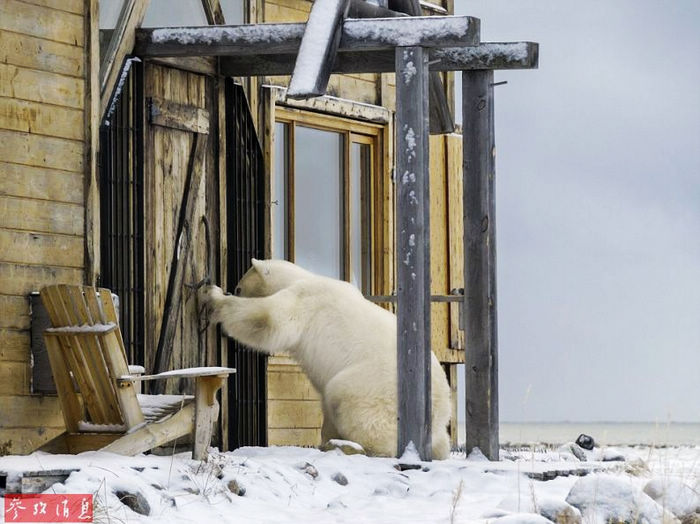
207, 65
413, 250
113, 351
19, 279
41, 216
14, 345
71, 6
294, 414
290, 386
71, 407
274, 12
480, 319
40, 183
48, 24
516, 55
308, 437
14, 378
45, 410
41, 86
455, 233
120, 46
44, 249
178, 116
80, 442
15, 312
22, 441
41, 151
205, 414
213, 12
153, 435
44, 55
362, 91
439, 317
287, 38
195, 172
312, 68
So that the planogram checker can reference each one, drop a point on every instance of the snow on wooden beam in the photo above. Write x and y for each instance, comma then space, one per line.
516, 55
285, 39
318, 47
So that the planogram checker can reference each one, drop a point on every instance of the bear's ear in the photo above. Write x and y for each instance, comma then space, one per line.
260, 266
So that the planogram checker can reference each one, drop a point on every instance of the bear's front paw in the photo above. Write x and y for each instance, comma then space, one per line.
208, 294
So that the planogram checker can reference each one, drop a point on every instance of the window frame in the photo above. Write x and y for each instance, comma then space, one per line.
352, 132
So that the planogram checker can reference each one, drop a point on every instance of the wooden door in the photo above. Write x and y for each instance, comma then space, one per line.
180, 110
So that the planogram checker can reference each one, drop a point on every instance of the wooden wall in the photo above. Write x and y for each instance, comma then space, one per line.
42, 158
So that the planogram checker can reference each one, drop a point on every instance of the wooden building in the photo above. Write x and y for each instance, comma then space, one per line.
146, 174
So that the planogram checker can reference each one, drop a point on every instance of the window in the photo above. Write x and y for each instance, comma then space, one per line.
322, 191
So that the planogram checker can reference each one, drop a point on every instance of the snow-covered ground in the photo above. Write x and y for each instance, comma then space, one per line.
288, 484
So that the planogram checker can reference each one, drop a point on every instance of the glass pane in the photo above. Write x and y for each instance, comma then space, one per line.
279, 191
359, 173
317, 211
166, 13
233, 11
109, 13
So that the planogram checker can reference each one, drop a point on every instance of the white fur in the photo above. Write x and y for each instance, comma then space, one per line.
345, 344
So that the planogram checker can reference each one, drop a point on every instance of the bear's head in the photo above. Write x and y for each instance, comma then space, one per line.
267, 277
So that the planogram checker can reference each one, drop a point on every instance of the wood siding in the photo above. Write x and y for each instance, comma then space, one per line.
42, 169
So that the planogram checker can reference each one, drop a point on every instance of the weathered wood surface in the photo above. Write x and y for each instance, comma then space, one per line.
178, 116
480, 321
518, 55
455, 232
48, 24
213, 12
285, 38
183, 244
413, 250
317, 50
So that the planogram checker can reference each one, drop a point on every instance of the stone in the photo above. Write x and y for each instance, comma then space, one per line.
609, 498
134, 501
340, 479
235, 488
401, 466
585, 441
308, 468
675, 495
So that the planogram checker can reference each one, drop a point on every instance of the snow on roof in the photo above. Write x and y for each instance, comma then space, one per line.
406, 31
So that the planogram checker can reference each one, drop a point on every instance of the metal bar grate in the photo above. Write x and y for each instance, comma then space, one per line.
122, 212
245, 240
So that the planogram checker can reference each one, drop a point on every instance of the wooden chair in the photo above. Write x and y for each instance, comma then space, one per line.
101, 407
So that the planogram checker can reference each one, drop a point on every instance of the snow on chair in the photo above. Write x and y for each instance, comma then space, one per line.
101, 407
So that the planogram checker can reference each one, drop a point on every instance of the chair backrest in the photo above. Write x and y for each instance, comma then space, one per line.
93, 358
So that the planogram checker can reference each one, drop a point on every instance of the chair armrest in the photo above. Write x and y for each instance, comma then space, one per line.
181, 373
84, 330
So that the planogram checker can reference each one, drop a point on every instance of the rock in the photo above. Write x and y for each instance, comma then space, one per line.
609, 498
235, 488
578, 452
585, 441
550, 508
675, 495
340, 479
401, 466
309, 469
348, 447
134, 501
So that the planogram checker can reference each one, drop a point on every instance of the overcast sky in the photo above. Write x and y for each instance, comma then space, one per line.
598, 209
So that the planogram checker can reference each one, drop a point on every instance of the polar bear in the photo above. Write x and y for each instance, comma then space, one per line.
345, 344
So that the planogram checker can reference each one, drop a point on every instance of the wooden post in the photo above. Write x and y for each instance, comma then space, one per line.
481, 359
413, 250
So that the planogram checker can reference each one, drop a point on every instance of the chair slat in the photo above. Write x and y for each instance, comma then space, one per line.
70, 404
110, 312
94, 305
117, 364
82, 315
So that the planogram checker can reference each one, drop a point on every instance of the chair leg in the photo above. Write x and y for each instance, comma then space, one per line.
206, 413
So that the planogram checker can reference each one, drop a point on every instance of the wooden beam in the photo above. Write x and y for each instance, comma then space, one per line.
120, 46
285, 39
318, 47
363, 9
413, 250
513, 55
213, 12
481, 359
183, 243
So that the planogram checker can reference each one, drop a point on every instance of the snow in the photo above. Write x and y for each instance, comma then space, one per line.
85, 328
292, 484
410, 31
243, 35
486, 53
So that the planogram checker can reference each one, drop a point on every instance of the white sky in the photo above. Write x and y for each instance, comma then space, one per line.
598, 210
